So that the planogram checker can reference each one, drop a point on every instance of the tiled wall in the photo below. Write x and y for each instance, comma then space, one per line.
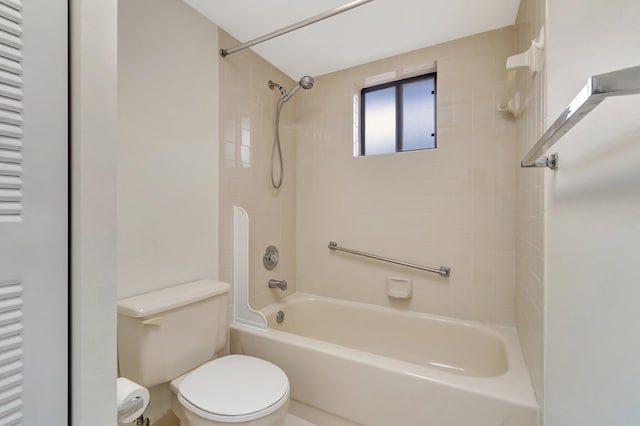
247, 115
529, 204
452, 206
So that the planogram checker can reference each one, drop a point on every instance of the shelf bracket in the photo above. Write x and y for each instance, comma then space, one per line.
550, 162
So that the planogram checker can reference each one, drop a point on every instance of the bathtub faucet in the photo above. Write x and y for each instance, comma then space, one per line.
282, 285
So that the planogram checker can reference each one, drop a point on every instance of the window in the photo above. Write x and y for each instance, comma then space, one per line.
398, 116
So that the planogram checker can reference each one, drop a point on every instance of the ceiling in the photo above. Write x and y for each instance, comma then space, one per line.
372, 31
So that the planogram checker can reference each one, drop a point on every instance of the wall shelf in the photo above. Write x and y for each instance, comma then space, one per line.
530, 59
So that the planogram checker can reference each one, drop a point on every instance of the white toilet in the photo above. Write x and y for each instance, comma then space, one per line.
171, 335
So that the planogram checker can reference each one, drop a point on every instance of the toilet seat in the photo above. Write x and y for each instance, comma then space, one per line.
234, 388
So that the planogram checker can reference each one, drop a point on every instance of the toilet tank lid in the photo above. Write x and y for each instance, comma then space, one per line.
169, 298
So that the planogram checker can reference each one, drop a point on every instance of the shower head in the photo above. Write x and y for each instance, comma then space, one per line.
305, 82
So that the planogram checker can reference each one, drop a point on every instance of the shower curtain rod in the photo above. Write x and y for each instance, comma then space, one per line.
293, 27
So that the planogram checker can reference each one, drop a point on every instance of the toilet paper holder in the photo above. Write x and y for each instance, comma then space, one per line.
142, 421
130, 407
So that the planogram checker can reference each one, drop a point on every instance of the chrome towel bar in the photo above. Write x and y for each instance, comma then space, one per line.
598, 88
443, 271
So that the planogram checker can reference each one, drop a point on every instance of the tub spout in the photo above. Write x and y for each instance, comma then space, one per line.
282, 285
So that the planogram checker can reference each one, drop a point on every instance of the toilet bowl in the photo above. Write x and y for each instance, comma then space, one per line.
235, 389
172, 335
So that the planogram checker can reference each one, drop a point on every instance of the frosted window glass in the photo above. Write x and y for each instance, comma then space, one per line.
380, 121
418, 118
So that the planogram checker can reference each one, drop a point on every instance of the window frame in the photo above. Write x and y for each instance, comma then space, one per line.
399, 110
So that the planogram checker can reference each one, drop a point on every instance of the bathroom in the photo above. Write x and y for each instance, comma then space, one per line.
167, 137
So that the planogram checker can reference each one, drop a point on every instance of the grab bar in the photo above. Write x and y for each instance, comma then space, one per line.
598, 88
443, 271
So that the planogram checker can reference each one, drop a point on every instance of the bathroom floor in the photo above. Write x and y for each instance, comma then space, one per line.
292, 420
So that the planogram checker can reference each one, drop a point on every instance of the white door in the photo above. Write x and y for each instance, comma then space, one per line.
33, 213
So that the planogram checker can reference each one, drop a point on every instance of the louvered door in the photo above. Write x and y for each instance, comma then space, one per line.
10, 110
33, 212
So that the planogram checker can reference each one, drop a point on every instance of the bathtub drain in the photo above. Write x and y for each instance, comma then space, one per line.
279, 317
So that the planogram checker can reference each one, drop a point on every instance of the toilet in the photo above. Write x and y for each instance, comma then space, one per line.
172, 335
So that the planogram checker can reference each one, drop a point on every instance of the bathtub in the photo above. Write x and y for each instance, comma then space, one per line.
354, 363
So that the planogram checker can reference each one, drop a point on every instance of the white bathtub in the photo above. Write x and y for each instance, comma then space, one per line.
358, 363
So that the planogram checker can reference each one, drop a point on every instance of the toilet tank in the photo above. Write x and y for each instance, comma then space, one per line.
165, 333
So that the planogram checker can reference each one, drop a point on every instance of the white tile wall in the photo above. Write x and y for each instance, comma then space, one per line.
530, 205
452, 206
247, 115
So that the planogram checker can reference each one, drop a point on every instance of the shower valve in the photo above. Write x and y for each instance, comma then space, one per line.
270, 257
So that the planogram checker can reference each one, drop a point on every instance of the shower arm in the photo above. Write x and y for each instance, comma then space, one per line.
293, 27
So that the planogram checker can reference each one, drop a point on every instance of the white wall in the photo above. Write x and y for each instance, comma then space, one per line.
167, 151
168, 146
592, 341
93, 194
